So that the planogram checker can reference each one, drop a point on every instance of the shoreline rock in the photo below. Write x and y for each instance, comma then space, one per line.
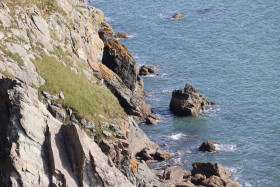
203, 174
208, 146
177, 16
122, 35
187, 101
147, 70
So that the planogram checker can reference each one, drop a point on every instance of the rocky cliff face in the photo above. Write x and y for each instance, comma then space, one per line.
60, 125
69, 97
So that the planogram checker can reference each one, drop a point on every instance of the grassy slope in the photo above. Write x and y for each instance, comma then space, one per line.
85, 97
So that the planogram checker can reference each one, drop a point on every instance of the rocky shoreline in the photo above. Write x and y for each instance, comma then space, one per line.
70, 96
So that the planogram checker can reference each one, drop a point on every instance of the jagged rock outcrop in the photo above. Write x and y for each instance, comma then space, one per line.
146, 70
208, 146
47, 140
125, 82
203, 174
41, 151
153, 154
208, 169
60, 154
69, 27
122, 35
187, 101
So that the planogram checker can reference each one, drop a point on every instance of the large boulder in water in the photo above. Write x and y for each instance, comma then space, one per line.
210, 168
122, 35
177, 16
208, 146
187, 101
146, 70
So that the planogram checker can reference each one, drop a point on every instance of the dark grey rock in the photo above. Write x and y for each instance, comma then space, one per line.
151, 121
210, 168
187, 101
106, 133
122, 35
49, 96
146, 70
208, 146
58, 113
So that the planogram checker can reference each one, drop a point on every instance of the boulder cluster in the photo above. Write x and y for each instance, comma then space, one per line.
203, 174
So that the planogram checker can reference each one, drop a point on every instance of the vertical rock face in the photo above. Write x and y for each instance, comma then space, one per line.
118, 59
41, 151
128, 88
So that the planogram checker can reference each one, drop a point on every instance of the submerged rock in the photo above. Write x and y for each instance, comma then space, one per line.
122, 35
177, 16
146, 70
187, 101
208, 146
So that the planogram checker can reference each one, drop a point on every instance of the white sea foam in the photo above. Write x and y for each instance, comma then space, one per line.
166, 91
150, 75
107, 19
177, 136
248, 184
225, 147
128, 37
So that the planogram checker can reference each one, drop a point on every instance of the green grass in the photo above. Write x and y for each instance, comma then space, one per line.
1, 25
84, 97
46, 6
6, 74
14, 56
54, 35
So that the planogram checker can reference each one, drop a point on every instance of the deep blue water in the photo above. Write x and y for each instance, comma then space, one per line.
231, 54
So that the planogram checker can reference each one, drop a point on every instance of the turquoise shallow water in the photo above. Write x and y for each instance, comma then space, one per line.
231, 54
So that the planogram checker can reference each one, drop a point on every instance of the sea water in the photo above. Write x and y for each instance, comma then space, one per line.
230, 51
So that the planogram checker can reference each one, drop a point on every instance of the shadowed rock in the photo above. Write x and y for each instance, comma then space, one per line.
208, 146
210, 168
153, 154
146, 70
122, 35
187, 101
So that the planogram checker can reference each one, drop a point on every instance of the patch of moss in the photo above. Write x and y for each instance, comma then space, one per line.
85, 98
